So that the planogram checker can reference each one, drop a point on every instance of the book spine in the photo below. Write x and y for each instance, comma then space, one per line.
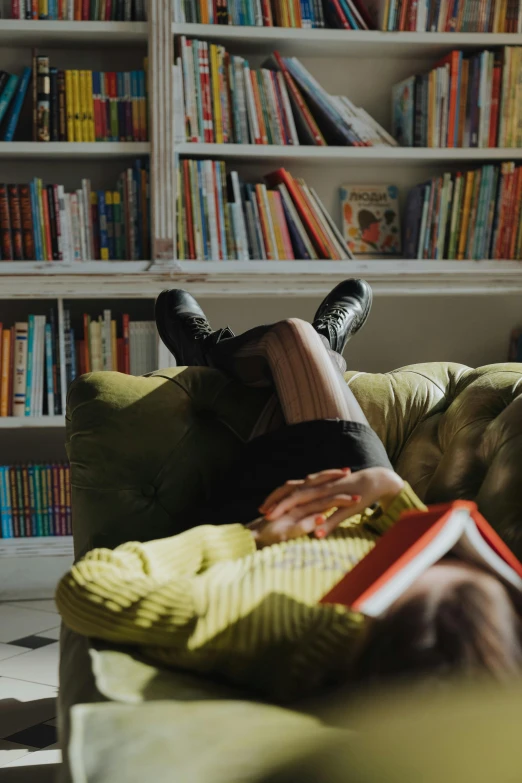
17, 103
44, 99
15, 502
4, 372
27, 223
69, 106
6, 246
16, 222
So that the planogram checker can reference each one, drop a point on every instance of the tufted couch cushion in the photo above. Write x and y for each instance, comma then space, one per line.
145, 450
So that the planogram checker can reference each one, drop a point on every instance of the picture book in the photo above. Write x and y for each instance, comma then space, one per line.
403, 112
370, 216
417, 541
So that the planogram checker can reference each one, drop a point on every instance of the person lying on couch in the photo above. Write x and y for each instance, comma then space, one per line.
237, 599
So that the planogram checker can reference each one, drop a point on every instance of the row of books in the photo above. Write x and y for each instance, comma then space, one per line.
220, 217
448, 16
41, 356
35, 500
81, 10
78, 105
465, 101
468, 215
44, 223
347, 14
218, 98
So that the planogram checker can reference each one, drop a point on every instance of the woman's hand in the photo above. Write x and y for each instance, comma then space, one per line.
298, 507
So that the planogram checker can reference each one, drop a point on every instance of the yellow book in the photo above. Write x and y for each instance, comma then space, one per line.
468, 190
90, 105
83, 106
110, 225
4, 372
274, 214
47, 251
77, 111
216, 96
205, 19
114, 347
69, 103
43, 9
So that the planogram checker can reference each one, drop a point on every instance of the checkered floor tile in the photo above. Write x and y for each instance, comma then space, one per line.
29, 632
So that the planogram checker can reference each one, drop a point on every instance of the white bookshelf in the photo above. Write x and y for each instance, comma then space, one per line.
20, 32
30, 422
342, 43
80, 150
423, 310
351, 156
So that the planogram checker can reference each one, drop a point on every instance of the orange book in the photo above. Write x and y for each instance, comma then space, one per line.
453, 60
274, 214
281, 221
264, 216
259, 108
514, 212
283, 177
417, 541
4, 374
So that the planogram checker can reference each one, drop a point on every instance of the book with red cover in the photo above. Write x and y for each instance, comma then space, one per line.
418, 540
283, 177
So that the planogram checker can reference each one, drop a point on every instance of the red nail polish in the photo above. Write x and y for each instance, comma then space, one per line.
346, 470
356, 498
320, 533
320, 520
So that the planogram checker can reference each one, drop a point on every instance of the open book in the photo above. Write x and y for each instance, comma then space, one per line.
417, 541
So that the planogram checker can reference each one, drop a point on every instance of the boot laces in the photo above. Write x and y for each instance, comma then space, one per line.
333, 317
200, 326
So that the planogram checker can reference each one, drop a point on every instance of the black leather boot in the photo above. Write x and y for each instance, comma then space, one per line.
184, 328
343, 312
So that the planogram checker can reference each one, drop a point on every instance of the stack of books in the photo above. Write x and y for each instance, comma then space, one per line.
218, 98
465, 101
45, 223
35, 500
81, 10
347, 14
448, 16
467, 215
283, 221
41, 356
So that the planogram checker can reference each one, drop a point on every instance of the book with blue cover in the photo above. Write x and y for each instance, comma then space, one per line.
13, 115
403, 112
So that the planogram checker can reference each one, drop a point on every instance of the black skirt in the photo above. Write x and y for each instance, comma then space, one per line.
292, 452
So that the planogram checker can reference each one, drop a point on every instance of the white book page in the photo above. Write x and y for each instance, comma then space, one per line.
474, 548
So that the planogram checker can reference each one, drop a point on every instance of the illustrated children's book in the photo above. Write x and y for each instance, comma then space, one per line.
370, 215
418, 540
403, 112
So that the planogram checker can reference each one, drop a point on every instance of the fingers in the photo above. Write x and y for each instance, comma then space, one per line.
304, 495
330, 523
279, 494
313, 480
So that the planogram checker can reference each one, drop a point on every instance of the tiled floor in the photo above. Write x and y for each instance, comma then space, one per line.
29, 752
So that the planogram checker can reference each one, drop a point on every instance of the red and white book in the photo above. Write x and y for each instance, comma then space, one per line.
417, 541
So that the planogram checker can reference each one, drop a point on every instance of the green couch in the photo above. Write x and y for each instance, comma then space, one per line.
143, 451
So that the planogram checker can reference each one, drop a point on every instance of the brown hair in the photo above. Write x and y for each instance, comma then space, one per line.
470, 628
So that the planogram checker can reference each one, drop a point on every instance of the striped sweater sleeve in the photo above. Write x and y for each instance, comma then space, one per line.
406, 500
146, 593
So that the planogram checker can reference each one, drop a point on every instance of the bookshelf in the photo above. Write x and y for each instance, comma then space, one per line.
410, 294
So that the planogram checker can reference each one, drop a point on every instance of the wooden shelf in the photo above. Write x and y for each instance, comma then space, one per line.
31, 422
342, 43
73, 267
355, 156
68, 35
51, 546
72, 149
229, 279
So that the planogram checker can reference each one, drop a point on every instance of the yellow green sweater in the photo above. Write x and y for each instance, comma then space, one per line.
208, 602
